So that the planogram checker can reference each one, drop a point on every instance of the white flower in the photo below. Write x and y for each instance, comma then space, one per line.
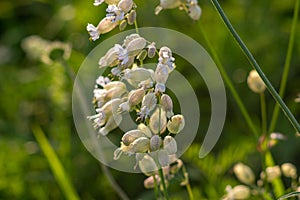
244, 173
102, 81
98, 2
113, 10
93, 31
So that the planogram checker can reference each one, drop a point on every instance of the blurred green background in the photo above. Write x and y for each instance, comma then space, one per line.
34, 93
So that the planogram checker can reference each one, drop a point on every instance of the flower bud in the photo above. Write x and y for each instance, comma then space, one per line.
155, 143
165, 52
147, 165
125, 5
129, 38
167, 104
273, 173
142, 55
244, 173
150, 183
239, 192
161, 73
122, 25
115, 92
124, 107
140, 145
176, 124
289, 170
151, 50
149, 101
255, 83
158, 121
137, 75
195, 12
131, 136
114, 84
163, 158
136, 96
170, 145
106, 24
131, 17
160, 87
169, 4
136, 45
144, 129
110, 58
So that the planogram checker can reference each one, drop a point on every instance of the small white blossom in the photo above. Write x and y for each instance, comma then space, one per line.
98, 2
116, 12
93, 31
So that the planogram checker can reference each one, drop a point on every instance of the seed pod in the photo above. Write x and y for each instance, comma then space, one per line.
137, 75
147, 165
163, 158
142, 55
131, 136
158, 121
195, 12
145, 129
115, 92
170, 145
161, 73
289, 170
167, 104
151, 50
136, 45
125, 5
255, 83
129, 38
272, 173
176, 124
122, 25
155, 143
136, 96
131, 17
140, 145
244, 173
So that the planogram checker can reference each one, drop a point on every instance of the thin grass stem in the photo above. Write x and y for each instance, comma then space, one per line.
263, 113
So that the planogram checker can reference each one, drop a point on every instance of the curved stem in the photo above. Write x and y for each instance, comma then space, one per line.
230, 84
287, 65
263, 113
253, 62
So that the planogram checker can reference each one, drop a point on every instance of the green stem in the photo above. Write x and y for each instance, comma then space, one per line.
287, 65
162, 180
263, 113
229, 84
253, 62
156, 192
55, 164
136, 27
188, 186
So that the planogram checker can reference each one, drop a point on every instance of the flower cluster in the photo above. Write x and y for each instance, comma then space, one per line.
245, 175
140, 90
119, 12
190, 6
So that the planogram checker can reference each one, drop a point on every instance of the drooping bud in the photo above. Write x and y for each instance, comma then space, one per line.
136, 45
147, 165
149, 182
155, 143
255, 83
289, 170
195, 12
240, 192
176, 124
145, 129
136, 96
125, 5
158, 121
161, 73
163, 158
131, 17
131, 136
273, 173
122, 25
142, 55
151, 50
140, 145
244, 173
167, 105
170, 145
